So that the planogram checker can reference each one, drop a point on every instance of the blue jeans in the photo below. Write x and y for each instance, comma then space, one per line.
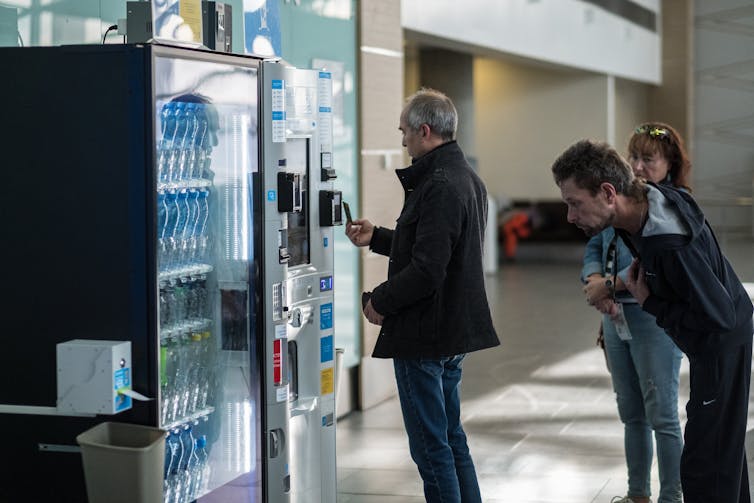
431, 404
645, 373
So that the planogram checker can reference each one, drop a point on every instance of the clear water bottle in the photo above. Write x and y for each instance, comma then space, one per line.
194, 475
192, 214
176, 479
202, 470
179, 131
165, 239
164, 309
207, 358
170, 397
192, 237
162, 218
186, 142
165, 391
193, 344
187, 439
188, 228
200, 141
170, 452
164, 145
203, 221
176, 240
183, 386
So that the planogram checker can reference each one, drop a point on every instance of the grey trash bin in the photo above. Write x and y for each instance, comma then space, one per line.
123, 463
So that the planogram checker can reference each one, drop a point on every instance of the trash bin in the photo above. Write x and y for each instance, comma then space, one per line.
123, 463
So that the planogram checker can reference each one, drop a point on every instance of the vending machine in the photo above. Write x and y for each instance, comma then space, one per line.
142, 205
303, 208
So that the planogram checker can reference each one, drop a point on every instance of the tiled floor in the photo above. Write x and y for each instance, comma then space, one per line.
539, 410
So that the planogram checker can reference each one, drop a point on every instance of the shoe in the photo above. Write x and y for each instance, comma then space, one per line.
623, 499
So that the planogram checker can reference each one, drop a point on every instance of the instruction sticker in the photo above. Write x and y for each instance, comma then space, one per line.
281, 394
325, 316
324, 96
281, 331
327, 381
278, 111
326, 349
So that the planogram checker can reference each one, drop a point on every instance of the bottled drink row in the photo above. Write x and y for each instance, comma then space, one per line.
187, 469
182, 230
188, 351
188, 373
185, 304
183, 152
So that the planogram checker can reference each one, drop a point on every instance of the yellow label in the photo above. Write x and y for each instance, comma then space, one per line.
191, 12
326, 381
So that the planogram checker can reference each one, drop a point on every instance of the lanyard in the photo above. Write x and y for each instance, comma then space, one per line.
611, 266
626, 237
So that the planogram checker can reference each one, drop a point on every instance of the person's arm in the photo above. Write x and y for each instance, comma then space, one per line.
592, 272
362, 232
701, 301
438, 228
382, 240
592, 262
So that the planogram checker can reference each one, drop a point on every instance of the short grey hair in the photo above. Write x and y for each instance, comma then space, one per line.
431, 107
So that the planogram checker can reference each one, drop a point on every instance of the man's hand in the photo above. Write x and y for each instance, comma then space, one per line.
595, 289
373, 316
636, 283
607, 306
360, 232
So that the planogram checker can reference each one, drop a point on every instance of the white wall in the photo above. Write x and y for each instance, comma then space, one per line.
525, 117
566, 32
631, 109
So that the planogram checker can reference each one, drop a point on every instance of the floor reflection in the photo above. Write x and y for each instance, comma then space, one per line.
539, 411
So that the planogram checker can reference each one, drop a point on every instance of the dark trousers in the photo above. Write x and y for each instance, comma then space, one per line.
713, 463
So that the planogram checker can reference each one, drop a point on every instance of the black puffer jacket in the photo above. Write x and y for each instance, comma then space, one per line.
434, 301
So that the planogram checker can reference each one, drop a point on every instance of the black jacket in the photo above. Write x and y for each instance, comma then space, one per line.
434, 301
695, 294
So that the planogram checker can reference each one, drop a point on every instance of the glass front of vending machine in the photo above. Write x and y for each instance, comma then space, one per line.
206, 116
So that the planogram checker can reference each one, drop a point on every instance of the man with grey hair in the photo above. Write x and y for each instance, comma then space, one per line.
680, 276
433, 307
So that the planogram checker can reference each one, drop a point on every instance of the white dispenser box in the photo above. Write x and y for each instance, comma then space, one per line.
90, 375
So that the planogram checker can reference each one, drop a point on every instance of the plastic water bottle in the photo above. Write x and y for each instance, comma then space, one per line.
179, 131
202, 469
167, 127
187, 439
164, 310
179, 305
170, 393
203, 220
199, 153
191, 232
183, 386
194, 475
192, 215
170, 451
193, 371
176, 479
187, 141
180, 209
165, 239
209, 358
165, 381
162, 217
